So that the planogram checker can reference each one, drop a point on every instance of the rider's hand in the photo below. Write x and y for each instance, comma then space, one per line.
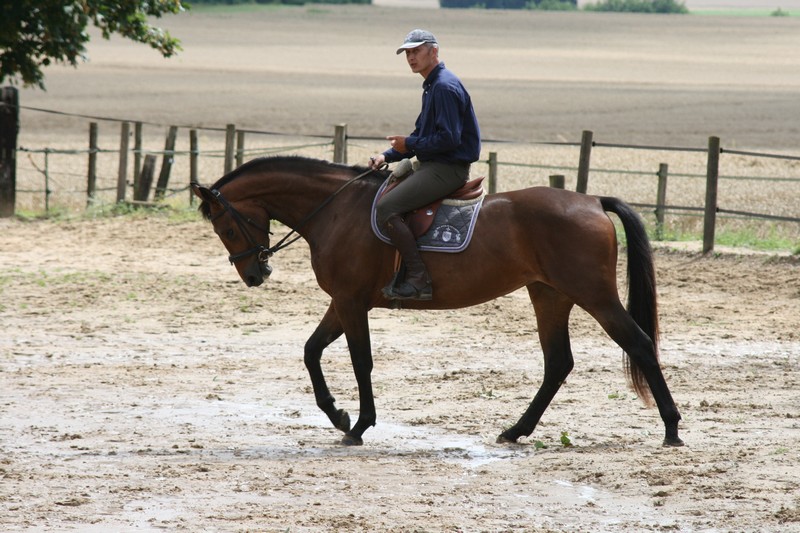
398, 142
377, 161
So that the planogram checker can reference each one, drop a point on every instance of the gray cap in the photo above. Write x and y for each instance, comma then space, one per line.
416, 38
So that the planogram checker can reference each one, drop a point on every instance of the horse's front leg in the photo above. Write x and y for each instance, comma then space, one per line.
355, 324
329, 330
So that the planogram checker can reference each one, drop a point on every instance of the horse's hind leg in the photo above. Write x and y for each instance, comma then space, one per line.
328, 330
621, 327
552, 316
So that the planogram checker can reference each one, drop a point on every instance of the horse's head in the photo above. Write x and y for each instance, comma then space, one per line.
244, 230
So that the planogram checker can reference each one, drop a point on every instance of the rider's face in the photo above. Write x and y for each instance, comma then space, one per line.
422, 59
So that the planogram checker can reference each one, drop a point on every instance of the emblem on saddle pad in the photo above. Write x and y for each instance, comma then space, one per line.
445, 225
447, 233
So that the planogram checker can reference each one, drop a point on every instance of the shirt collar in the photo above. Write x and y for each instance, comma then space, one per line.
433, 75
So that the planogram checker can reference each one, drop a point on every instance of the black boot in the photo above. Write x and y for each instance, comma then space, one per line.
417, 285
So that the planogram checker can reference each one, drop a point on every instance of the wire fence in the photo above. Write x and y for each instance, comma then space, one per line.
753, 185
697, 176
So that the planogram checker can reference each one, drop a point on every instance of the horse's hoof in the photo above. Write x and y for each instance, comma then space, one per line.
673, 442
350, 440
505, 439
344, 420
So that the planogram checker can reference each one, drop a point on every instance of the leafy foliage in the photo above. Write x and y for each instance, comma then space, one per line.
639, 6
35, 33
562, 5
552, 5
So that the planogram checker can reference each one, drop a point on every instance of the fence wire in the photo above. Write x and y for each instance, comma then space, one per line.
55, 179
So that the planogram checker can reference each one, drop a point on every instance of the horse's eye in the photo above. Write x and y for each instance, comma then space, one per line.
230, 234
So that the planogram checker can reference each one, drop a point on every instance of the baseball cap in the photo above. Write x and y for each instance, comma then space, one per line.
416, 38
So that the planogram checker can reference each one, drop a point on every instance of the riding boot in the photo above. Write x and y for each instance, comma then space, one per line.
417, 285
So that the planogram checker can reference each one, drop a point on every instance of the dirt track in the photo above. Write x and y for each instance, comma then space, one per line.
144, 387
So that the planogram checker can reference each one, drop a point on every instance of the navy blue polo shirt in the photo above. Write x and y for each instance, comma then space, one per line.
447, 129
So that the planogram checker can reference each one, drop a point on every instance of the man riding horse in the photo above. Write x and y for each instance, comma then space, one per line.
445, 141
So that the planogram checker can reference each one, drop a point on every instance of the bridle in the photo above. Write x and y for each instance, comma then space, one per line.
265, 252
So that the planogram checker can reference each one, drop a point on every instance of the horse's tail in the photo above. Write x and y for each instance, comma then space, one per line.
642, 299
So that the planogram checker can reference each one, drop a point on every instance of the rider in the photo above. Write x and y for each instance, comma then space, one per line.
445, 140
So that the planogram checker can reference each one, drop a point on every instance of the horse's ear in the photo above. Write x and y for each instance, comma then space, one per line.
204, 193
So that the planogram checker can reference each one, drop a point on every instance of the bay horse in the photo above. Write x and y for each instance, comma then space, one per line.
560, 245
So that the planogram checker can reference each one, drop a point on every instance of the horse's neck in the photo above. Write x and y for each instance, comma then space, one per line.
292, 198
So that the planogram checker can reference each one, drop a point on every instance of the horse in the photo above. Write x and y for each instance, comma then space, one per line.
560, 245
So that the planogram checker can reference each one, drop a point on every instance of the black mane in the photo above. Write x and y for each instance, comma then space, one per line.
290, 163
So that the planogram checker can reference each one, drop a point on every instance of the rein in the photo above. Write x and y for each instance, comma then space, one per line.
264, 253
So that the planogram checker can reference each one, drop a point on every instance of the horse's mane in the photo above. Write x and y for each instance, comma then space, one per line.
291, 163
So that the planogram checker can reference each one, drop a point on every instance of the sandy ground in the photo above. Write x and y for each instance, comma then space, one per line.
143, 387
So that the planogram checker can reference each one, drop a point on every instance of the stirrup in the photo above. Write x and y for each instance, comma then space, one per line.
406, 291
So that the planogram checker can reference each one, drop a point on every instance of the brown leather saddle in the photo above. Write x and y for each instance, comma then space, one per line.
420, 220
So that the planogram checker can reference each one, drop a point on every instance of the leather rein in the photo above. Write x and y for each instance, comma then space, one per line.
265, 252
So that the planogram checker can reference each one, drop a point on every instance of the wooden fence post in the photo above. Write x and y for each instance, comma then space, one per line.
47, 191
137, 154
661, 199
712, 177
557, 181
145, 179
340, 144
230, 134
583, 162
193, 153
492, 172
122, 177
239, 148
91, 185
9, 127
166, 163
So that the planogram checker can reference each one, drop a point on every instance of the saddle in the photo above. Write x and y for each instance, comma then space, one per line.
420, 220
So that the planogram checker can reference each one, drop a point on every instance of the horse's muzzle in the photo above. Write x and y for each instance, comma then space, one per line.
255, 275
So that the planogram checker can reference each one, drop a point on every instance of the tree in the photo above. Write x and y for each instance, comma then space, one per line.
35, 33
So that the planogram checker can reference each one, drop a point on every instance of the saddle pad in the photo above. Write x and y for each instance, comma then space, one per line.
451, 229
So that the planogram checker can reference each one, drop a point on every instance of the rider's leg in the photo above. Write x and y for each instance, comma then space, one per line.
429, 183
417, 285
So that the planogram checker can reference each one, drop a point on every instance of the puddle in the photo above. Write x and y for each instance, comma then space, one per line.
469, 451
607, 508
288, 430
